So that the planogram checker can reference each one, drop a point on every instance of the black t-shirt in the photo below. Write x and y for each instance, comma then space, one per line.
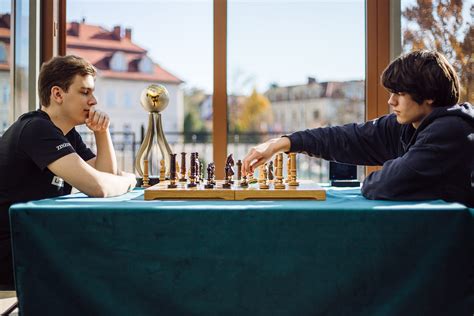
26, 149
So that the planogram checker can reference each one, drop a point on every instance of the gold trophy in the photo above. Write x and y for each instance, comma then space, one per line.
153, 99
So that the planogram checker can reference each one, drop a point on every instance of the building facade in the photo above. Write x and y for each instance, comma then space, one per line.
124, 70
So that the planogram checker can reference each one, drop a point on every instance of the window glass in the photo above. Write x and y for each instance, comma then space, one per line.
294, 65
444, 26
132, 49
5, 27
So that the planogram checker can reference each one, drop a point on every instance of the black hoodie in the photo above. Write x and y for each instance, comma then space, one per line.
434, 161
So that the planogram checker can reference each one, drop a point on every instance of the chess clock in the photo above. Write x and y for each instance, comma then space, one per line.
343, 175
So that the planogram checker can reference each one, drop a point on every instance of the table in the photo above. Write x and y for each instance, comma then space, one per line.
344, 256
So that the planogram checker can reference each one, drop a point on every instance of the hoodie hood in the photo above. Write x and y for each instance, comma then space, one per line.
463, 110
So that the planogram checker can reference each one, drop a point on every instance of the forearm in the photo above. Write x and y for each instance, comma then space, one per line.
113, 185
351, 143
106, 160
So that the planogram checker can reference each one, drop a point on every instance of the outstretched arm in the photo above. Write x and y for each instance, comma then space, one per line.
370, 143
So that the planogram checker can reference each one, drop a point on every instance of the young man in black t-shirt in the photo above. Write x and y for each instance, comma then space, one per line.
426, 146
42, 155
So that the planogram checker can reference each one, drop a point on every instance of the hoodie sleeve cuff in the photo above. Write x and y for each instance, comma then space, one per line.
296, 142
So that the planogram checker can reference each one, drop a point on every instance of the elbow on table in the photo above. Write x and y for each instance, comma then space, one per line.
95, 189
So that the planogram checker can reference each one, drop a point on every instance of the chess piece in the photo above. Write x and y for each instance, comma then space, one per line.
292, 172
263, 184
198, 168
192, 175
261, 173
230, 162
213, 166
201, 171
288, 174
252, 180
153, 99
244, 183
279, 172
172, 184
239, 169
162, 170
146, 179
228, 176
183, 167
210, 176
270, 170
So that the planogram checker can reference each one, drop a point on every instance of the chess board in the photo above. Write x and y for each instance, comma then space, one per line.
306, 190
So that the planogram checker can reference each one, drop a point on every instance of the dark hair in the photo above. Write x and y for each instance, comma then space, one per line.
424, 75
60, 71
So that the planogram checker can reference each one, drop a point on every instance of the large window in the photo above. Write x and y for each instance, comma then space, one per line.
5, 64
294, 65
139, 43
445, 26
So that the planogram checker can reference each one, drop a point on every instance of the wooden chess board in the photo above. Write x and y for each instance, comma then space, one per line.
306, 190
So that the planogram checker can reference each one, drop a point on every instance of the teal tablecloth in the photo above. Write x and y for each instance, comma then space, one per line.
344, 256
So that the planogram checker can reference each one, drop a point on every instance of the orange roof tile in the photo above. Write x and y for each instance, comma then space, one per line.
93, 36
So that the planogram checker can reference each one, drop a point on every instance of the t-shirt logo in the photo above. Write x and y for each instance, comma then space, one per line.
59, 147
57, 181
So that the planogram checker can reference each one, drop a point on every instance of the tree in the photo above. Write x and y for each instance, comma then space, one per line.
439, 25
256, 115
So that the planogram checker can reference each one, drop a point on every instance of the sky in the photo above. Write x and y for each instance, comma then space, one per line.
281, 42
269, 41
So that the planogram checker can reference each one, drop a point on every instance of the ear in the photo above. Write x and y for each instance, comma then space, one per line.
57, 94
428, 102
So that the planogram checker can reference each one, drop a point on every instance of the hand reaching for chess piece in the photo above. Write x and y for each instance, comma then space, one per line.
259, 154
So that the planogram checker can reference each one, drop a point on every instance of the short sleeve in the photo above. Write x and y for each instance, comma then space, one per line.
78, 144
44, 143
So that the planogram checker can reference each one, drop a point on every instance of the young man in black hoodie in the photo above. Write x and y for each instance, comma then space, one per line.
42, 155
425, 145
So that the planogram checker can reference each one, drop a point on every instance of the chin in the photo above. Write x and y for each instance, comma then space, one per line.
400, 121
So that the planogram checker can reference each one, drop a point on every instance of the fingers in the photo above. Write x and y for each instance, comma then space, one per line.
247, 161
253, 159
97, 120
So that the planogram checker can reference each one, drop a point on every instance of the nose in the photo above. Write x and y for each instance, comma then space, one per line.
392, 101
93, 100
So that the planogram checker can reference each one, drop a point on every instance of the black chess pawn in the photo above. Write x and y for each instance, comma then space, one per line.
227, 184
213, 166
230, 162
210, 176
270, 170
